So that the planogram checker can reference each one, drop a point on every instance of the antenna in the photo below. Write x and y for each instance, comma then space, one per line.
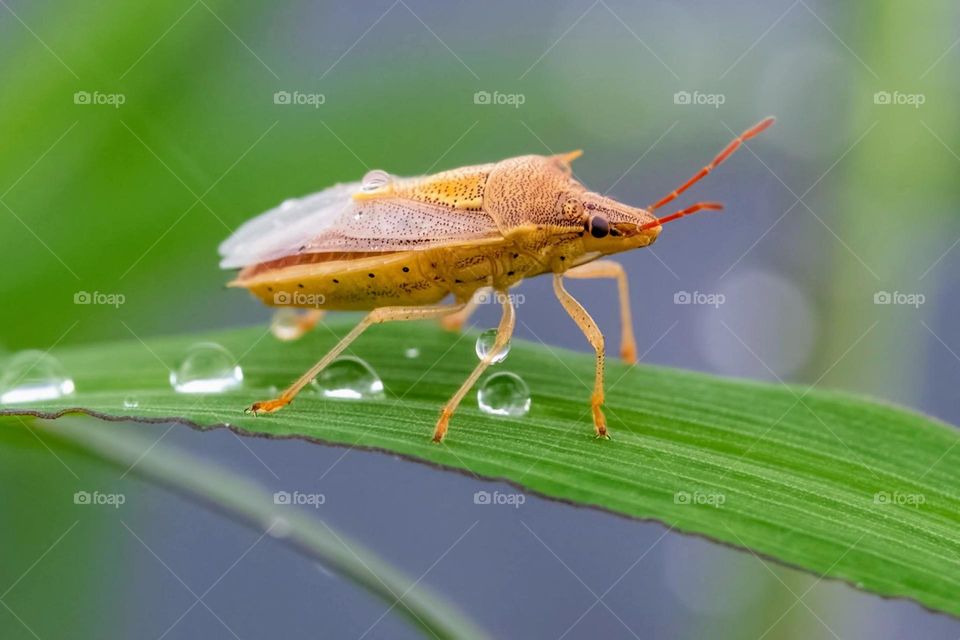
723, 155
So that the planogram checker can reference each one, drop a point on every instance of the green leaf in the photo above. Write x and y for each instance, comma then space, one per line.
841, 486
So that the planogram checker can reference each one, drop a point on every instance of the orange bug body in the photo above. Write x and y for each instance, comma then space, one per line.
398, 246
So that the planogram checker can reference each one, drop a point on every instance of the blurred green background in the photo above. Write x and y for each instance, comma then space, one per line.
850, 195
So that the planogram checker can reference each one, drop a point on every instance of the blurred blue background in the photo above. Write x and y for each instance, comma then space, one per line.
137, 136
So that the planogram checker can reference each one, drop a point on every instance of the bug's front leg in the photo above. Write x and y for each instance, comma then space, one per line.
383, 314
589, 328
504, 331
611, 269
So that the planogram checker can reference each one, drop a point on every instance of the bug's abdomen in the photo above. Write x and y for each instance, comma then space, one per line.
392, 279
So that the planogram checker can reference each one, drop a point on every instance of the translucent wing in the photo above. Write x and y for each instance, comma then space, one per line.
332, 220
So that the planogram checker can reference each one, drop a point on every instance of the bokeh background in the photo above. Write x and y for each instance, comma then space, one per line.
136, 136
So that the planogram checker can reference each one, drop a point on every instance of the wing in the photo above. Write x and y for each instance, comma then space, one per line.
335, 220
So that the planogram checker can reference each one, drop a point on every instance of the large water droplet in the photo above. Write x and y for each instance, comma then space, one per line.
207, 368
31, 376
349, 378
504, 394
375, 179
485, 342
285, 324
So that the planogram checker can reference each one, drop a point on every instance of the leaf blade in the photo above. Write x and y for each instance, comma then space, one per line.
819, 480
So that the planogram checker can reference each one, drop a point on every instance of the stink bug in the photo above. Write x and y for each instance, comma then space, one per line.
396, 247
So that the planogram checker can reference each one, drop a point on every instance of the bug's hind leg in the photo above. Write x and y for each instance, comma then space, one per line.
302, 324
589, 328
455, 321
504, 331
611, 269
383, 314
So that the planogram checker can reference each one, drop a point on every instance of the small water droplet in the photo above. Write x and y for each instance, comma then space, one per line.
287, 205
375, 179
504, 394
349, 378
130, 403
31, 376
207, 368
412, 353
285, 324
485, 342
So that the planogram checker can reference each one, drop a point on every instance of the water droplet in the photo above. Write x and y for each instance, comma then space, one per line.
374, 180
349, 378
130, 403
412, 353
504, 394
31, 376
287, 205
485, 342
285, 324
207, 368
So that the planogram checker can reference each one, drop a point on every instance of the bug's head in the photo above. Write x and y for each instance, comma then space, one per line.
609, 226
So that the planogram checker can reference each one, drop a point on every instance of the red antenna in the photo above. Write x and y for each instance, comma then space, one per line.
700, 206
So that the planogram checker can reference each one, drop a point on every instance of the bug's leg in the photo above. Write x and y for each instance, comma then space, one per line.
504, 331
611, 269
383, 314
305, 322
589, 328
455, 321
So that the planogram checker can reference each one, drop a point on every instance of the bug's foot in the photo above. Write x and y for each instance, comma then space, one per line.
452, 322
266, 406
289, 329
442, 424
628, 352
600, 423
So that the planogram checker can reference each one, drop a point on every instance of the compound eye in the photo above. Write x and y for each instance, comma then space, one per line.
598, 227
